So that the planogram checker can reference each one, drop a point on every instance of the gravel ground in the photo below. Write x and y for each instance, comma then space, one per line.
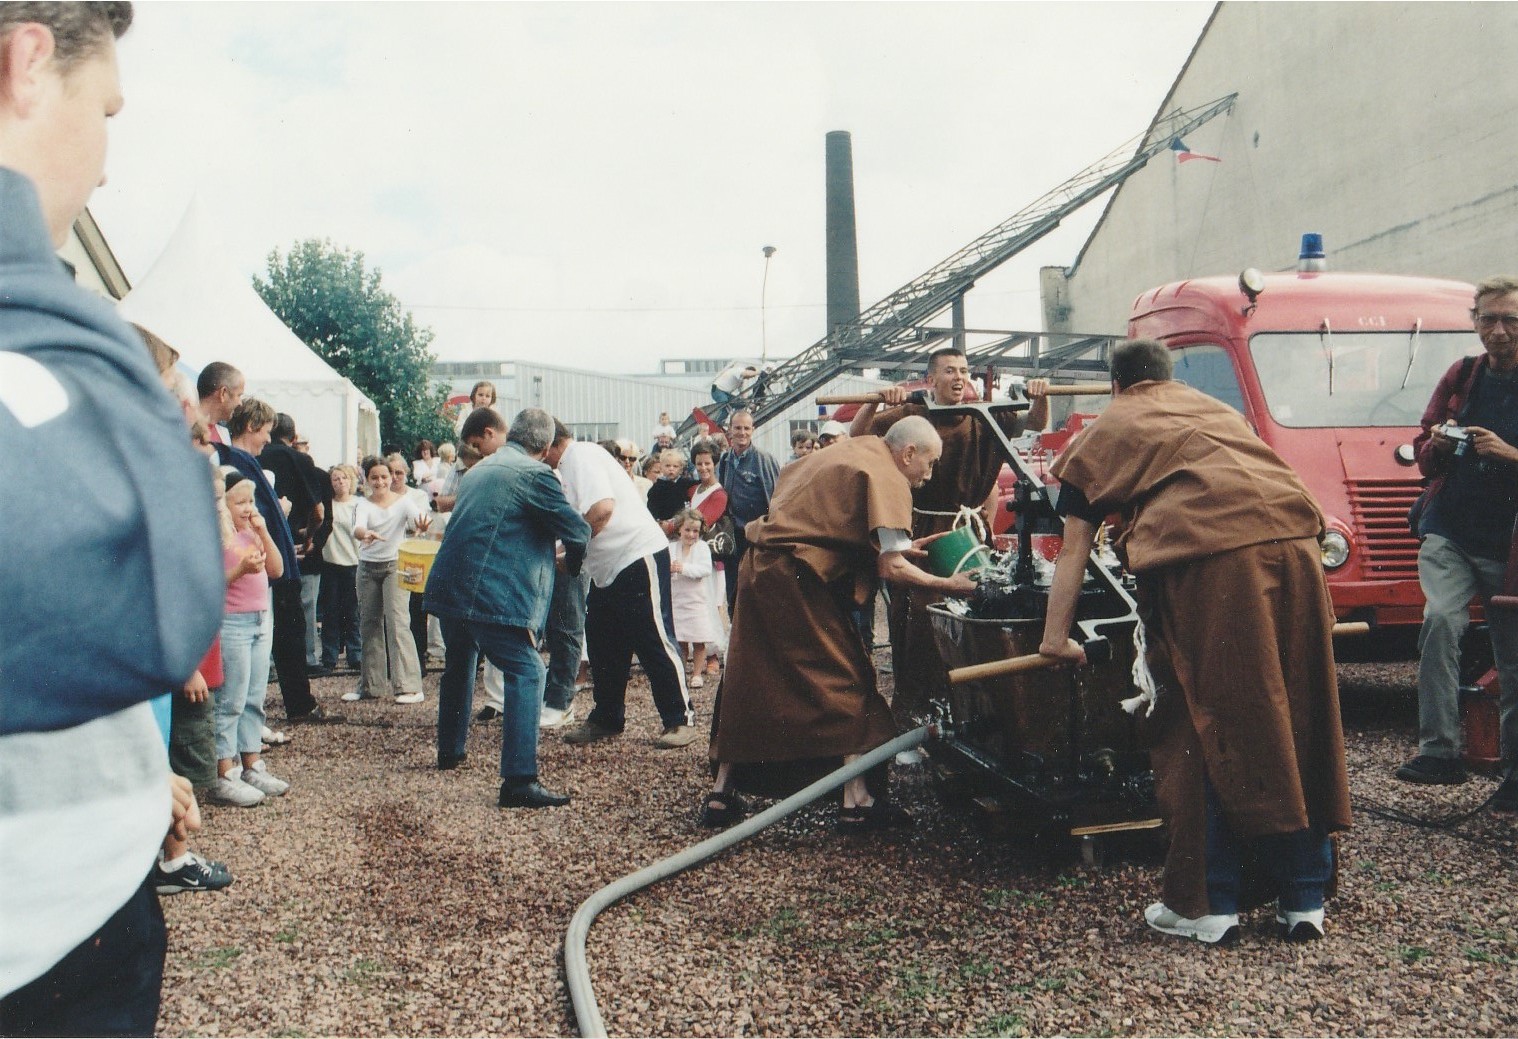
384, 898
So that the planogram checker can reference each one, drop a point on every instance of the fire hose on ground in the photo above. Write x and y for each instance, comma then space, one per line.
576, 970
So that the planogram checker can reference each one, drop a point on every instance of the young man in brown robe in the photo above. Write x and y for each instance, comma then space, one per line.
965, 477
1222, 536
799, 685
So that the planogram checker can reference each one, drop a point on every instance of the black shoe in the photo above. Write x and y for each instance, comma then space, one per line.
529, 795
449, 762
318, 715
1506, 797
320, 671
723, 809
1433, 771
487, 714
879, 815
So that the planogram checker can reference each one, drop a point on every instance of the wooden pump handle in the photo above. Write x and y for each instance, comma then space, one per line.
1081, 389
1010, 666
1040, 662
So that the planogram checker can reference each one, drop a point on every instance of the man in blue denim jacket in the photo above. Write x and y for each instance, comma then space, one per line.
490, 588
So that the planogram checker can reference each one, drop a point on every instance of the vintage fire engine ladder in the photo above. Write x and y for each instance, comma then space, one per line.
893, 332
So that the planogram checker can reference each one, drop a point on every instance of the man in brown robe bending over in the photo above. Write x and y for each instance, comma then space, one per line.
1222, 536
799, 685
965, 477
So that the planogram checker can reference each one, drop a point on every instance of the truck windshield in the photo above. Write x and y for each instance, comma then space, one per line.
1313, 379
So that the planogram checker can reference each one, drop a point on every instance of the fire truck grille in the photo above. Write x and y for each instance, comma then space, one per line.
1380, 516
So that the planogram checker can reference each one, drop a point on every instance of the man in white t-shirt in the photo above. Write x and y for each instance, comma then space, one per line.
628, 608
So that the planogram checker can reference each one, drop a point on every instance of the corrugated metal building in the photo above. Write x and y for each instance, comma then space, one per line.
600, 406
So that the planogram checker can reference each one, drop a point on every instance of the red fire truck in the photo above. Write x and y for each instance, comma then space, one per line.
1333, 371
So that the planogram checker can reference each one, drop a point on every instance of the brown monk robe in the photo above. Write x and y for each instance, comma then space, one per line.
966, 476
1223, 538
802, 684
799, 688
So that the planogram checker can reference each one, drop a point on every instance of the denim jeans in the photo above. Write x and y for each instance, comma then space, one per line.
511, 650
565, 639
310, 589
1302, 863
247, 640
339, 599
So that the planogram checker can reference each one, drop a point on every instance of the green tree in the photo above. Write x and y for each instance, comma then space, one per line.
339, 309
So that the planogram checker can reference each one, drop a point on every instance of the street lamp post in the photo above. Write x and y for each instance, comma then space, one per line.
764, 342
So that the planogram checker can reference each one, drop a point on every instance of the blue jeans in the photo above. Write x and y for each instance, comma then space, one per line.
511, 650
247, 640
565, 640
1302, 863
310, 589
339, 603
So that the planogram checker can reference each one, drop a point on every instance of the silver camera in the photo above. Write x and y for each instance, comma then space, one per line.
1460, 435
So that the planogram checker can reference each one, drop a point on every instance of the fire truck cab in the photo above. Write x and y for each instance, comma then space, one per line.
1333, 371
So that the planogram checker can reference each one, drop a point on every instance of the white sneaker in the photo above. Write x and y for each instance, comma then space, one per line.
911, 757
356, 695
1219, 928
553, 718
1305, 926
411, 698
229, 790
261, 779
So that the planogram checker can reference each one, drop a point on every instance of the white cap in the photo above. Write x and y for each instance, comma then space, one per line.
833, 428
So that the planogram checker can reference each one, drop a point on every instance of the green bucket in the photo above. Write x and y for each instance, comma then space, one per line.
958, 550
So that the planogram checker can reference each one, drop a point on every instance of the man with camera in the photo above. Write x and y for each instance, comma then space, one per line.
1467, 450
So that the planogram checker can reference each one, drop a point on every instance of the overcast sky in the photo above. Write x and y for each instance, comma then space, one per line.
593, 184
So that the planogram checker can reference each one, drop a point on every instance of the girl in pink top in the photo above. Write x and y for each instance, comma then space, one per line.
247, 633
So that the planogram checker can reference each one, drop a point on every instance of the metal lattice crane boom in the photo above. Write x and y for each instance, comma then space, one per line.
894, 330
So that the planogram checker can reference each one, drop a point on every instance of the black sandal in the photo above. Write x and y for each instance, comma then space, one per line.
878, 815
723, 809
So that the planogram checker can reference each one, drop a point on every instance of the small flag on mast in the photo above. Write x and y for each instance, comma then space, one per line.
1185, 154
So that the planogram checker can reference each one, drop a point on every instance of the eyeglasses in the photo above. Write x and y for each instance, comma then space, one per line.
1487, 322
629, 458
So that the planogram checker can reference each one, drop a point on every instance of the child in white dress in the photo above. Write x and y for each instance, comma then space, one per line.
690, 563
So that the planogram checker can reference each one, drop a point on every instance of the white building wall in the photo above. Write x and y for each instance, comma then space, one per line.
633, 403
1383, 126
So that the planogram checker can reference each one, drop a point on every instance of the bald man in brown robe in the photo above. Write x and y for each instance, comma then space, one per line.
799, 685
1223, 538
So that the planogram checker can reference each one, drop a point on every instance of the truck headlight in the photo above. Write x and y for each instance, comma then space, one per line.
1335, 550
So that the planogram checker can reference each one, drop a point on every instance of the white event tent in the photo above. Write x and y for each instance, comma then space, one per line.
195, 300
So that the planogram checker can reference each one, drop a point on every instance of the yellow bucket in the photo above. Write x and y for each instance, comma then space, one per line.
414, 563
